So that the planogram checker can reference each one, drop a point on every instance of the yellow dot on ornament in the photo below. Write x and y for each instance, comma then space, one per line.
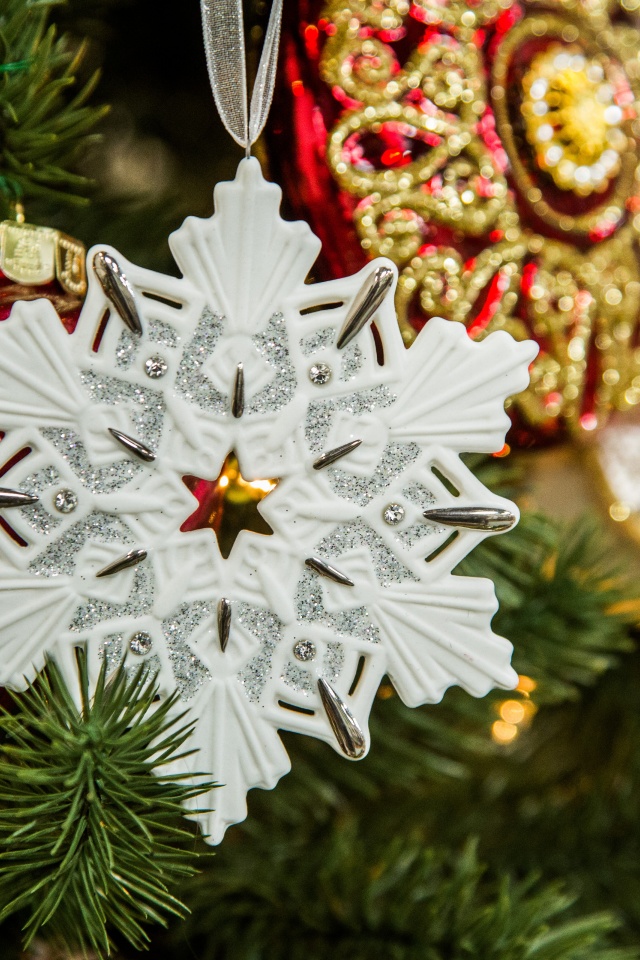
512, 711
613, 296
619, 511
503, 732
576, 349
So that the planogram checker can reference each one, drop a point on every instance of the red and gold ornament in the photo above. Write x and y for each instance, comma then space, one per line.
490, 149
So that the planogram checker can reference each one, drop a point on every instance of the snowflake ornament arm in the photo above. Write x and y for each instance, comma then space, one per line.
354, 439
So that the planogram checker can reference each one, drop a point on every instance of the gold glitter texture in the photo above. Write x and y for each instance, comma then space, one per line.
508, 192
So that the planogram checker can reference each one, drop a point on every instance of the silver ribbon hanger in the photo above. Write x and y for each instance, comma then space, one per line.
223, 28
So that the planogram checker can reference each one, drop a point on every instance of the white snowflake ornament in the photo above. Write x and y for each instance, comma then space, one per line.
354, 439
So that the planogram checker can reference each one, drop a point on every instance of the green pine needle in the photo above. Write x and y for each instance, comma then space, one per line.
351, 893
44, 122
91, 835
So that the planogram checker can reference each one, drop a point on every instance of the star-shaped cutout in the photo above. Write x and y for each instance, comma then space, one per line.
228, 504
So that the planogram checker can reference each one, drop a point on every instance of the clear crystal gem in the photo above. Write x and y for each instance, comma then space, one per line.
320, 373
140, 643
65, 501
393, 514
155, 367
304, 650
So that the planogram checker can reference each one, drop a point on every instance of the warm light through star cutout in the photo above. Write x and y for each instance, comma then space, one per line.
228, 504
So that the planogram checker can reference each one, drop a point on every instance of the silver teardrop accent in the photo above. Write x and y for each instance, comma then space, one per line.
472, 518
123, 563
336, 454
224, 623
365, 303
118, 289
133, 446
326, 570
15, 498
237, 402
346, 728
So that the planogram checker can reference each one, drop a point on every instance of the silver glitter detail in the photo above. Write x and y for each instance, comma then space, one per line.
351, 362
357, 533
422, 497
137, 604
111, 650
273, 345
155, 367
393, 514
129, 345
140, 643
354, 623
267, 628
35, 514
60, 558
189, 671
362, 490
145, 406
297, 678
316, 341
65, 501
320, 373
333, 661
96, 479
320, 413
417, 532
191, 382
304, 650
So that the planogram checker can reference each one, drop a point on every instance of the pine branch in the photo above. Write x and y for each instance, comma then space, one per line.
90, 827
43, 125
347, 894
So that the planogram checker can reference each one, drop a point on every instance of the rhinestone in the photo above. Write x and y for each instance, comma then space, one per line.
65, 501
304, 650
393, 514
140, 643
320, 373
155, 367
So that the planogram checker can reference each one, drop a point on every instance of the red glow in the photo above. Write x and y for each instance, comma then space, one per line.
528, 278
503, 452
311, 34
588, 421
497, 287
395, 158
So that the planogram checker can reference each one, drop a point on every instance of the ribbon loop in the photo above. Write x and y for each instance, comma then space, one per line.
223, 28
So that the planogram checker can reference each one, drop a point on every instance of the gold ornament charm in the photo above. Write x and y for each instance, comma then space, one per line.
34, 256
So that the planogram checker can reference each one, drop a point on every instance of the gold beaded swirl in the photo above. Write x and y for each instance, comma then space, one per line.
517, 206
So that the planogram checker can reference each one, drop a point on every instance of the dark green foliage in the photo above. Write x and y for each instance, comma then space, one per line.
350, 893
564, 602
89, 835
44, 122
